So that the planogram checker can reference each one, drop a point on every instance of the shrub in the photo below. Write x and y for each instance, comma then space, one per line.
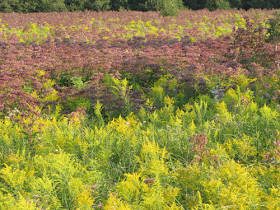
217, 4
97, 5
169, 7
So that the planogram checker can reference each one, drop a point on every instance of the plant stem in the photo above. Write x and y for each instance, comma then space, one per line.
277, 57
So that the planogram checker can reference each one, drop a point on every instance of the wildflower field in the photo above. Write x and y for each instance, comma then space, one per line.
131, 110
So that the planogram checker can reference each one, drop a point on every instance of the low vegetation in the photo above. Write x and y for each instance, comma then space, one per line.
167, 7
132, 110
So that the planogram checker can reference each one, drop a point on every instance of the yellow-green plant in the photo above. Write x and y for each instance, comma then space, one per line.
121, 89
97, 112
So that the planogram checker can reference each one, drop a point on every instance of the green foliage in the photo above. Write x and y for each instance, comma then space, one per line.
119, 4
120, 90
42, 6
166, 8
243, 150
10, 6
67, 176
235, 3
157, 96
216, 186
75, 5
210, 154
8, 202
169, 7
97, 5
64, 79
51, 5
78, 82
76, 102
195, 4
218, 4
172, 146
260, 4
97, 112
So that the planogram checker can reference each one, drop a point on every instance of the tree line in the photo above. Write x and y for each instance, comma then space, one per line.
167, 7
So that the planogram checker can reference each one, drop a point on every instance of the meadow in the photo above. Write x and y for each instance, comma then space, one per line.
131, 110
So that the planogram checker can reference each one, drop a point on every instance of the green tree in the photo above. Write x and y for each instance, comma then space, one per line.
51, 5
75, 5
195, 4
169, 7
141, 5
42, 6
166, 7
217, 4
119, 5
10, 6
268, 4
97, 5
5, 6
235, 3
